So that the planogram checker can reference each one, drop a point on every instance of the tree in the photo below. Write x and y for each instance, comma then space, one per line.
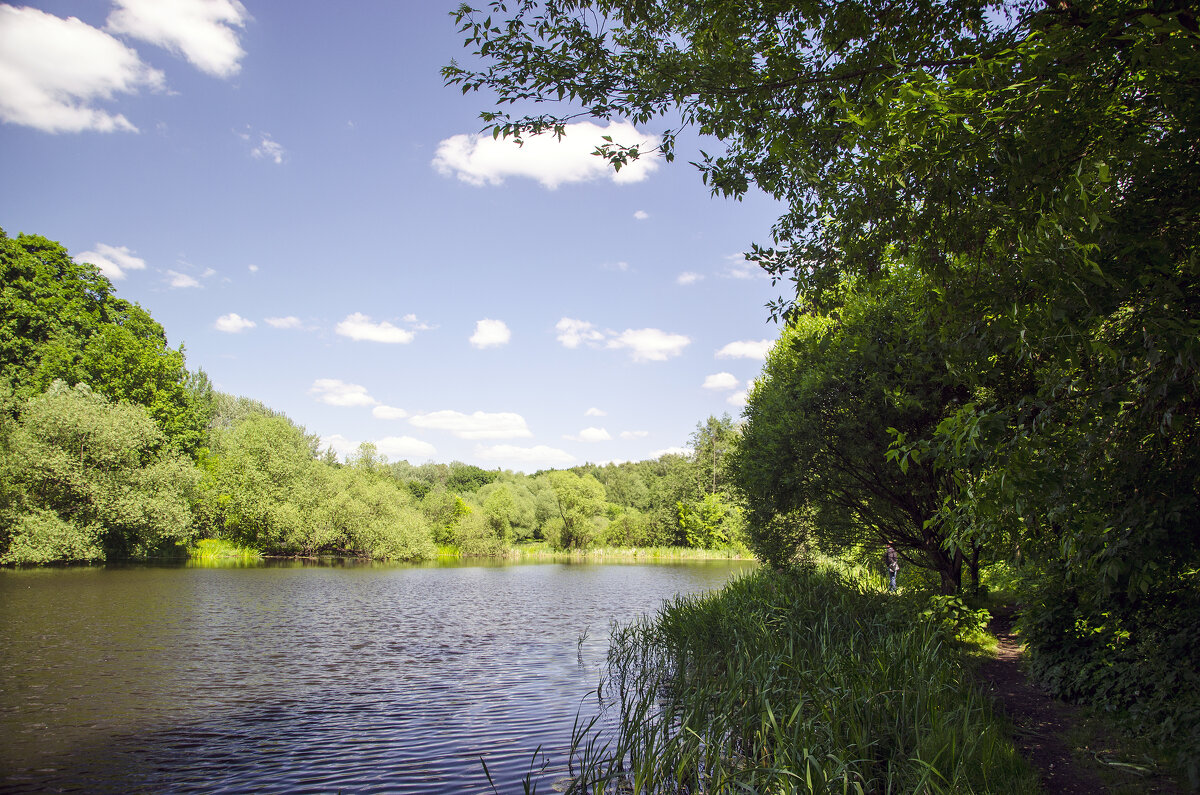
711, 443
579, 502
835, 393
59, 320
88, 479
1035, 161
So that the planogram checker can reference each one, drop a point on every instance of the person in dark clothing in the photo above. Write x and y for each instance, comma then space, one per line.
891, 562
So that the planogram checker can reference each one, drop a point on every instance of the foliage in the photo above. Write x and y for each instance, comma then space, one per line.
1034, 162
835, 393
90, 480
59, 320
791, 681
580, 501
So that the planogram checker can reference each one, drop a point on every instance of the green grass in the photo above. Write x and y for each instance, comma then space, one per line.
803, 681
540, 549
217, 549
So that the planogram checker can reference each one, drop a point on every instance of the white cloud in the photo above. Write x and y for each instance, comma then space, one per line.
737, 399
595, 412
571, 332
483, 160
650, 344
53, 70
513, 457
746, 349
336, 392
738, 267
382, 412
233, 323
406, 447
634, 434
641, 215
617, 266
268, 149
360, 327
208, 273
394, 447
683, 451
252, 268
341, 445
479, 425
591, 435
688, 277
720, 381
291, 321
181, 280
490, 334
113, 261
202, 31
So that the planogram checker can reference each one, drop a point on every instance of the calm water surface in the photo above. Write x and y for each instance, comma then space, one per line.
304, 678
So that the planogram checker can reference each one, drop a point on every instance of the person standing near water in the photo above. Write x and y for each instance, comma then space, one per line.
891, 562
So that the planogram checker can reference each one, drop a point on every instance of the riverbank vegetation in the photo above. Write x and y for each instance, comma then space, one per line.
110, 449
795, 680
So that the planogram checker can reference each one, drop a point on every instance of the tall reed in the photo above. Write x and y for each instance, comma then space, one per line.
802, 681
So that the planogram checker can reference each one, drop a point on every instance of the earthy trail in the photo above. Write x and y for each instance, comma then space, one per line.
1041, 722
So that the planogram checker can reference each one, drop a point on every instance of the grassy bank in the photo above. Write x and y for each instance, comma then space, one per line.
216, 549
804, 681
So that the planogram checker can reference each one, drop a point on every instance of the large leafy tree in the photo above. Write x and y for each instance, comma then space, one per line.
59, 319
835, 394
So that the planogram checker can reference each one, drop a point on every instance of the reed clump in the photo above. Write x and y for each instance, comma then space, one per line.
797, 681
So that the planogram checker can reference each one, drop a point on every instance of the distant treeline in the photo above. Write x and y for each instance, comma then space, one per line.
111, 449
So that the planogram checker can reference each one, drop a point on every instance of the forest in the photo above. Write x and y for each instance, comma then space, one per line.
111, 449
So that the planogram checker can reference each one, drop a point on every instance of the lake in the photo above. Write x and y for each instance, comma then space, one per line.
307, 678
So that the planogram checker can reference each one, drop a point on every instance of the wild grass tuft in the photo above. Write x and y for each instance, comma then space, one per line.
217, 549
800, 681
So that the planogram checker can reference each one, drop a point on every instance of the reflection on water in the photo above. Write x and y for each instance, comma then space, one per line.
294, 677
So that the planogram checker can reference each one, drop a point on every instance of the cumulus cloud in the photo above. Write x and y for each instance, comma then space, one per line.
595, 412
483, 160
252, 268
181, 280
382, 412
746, 349
340, 444
683, 451
394, 447
113, 261
634, 434
291, 321
591, 435
490, 334
641, 215
336, 392
571, 332
514, 457
53, 71
405, 447
360, 327
650, 344
737, 399
202, 31
688, 277
233, 323
720, 381
478, 425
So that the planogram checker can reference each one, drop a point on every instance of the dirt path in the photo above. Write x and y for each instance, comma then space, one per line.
1040, 722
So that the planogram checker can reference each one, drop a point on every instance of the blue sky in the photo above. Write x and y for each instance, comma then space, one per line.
290, 190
